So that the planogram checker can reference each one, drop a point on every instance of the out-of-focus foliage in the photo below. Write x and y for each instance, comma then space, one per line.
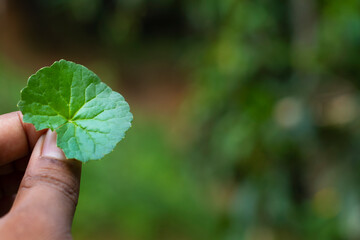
277, 111
9, 95
269, 145
142, 191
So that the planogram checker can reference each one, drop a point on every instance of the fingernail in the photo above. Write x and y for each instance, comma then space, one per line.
50, 149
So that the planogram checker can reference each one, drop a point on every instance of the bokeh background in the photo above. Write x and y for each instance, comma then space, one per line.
246, 113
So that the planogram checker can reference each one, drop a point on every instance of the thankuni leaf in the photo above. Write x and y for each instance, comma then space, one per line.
88, 117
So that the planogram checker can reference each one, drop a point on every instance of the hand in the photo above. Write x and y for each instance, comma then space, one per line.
39, 187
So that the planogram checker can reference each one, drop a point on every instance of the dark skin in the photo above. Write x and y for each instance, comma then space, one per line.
39, 187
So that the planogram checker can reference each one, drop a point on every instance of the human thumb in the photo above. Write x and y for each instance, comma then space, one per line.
50, 187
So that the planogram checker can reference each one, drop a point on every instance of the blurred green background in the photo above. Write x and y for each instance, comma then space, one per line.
246, 113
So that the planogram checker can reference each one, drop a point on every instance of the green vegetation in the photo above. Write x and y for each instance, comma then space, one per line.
265, 144
89, 118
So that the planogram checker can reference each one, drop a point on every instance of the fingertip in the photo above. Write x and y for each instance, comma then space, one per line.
31, 133
50, 177
50, 149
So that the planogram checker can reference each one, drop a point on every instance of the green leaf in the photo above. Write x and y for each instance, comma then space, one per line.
88, 117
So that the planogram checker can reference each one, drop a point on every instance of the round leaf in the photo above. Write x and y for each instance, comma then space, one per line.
88, 117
